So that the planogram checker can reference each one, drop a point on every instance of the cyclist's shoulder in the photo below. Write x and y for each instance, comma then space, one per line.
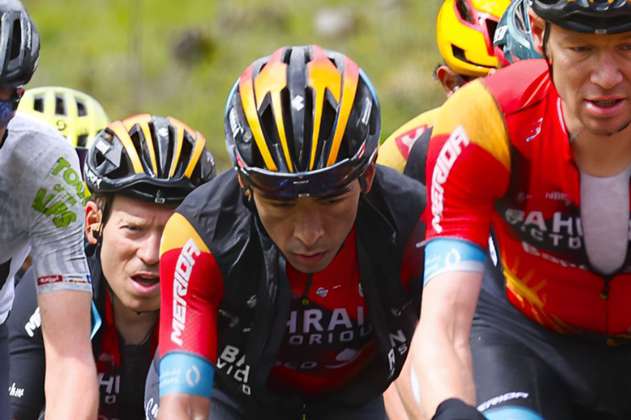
395, 150
25, 128
519, 86
215, 212
32, 148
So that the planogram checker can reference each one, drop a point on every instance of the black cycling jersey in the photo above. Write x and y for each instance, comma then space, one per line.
121, 368
522, 366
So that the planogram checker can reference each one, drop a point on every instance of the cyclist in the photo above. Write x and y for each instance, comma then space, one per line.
465, 30
138, 170
538, 155
40, 209
464, 35
290, 285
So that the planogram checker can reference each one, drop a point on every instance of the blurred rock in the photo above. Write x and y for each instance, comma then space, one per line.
336, 22
233, 18
192, 46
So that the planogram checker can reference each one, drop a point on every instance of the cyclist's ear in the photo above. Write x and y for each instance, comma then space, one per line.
365, 181
537, 28
449, 79
93, 225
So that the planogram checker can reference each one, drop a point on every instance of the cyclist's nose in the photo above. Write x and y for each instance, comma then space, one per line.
308, 227
149, 249
606, 73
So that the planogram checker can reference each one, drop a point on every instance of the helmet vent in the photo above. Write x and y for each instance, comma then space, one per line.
491, 26
326, 130
60, 106
308, 127
464, 11
16, 40
38, 104
287, 121
270, 132
81, 111
82, 140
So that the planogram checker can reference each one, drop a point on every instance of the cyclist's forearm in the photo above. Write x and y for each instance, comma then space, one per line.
444, 370
71, 390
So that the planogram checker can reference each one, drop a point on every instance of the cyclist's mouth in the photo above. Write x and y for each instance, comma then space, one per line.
146, 283
604, 106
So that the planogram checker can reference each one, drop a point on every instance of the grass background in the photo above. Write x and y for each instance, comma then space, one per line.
132, 54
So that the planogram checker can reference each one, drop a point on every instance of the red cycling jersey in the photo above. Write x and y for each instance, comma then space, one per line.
329, 337
500, 161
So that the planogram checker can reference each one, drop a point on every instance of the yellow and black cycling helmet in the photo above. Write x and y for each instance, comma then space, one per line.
464, 34
588, 16
303, 121
77, 115
158, 159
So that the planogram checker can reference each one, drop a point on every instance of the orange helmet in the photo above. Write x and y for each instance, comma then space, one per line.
464, 34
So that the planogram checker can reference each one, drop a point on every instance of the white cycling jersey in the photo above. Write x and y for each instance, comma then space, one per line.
41, 210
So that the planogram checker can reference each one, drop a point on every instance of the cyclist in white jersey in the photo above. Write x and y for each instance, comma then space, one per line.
41, 194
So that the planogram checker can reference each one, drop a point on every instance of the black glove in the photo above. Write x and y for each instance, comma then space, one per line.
455, 409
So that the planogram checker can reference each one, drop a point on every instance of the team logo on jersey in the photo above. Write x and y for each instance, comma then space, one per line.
44, 280
406, 141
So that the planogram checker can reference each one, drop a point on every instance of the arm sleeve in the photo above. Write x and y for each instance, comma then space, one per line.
26, 353
191, 290
468, 166
56, 227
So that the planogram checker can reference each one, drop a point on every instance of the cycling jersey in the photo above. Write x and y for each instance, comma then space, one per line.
406, 148
500, 159
277, 336
41, 209
121, 368
521, 367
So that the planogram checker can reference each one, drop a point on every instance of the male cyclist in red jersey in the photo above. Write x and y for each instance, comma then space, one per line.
138, 170
537, 155
465, 31
290, 285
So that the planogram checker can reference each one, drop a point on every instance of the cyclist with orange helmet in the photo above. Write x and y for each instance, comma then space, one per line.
538, 156
137, 170
290, 285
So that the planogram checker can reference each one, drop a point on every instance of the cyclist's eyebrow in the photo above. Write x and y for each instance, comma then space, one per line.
335, 194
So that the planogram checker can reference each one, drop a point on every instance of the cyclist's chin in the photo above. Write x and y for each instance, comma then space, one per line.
607, 127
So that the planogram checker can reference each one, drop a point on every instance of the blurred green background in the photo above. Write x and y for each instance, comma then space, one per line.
180, 58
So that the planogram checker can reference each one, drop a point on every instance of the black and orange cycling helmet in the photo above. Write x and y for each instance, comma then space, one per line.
303, 121
588, 16
158, 159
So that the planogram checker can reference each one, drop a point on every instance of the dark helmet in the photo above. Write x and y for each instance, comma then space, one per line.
19, 44
303, 121
159, 159
513, 37
589, 16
